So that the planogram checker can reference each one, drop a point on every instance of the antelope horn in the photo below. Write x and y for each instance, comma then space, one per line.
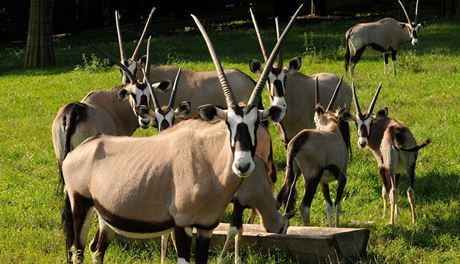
355, 98
259, 36
229, 96
255, 96
416, 11
173, 93
280, 53
334, 95
405, 12
118, 63
147, 61
316, 91
371, 107
136, 50
152, 94
120, 41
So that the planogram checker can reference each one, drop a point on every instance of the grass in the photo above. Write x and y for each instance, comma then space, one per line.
425, 96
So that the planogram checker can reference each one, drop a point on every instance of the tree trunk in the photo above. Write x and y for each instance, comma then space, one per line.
318, 8
39, 51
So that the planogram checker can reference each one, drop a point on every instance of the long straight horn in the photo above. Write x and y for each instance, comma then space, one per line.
120, 41
136, 50
334, 95
255, 96
152, 94
280, 53
229, 96
355, 98
118, 63
416, 12
147, 61
173, 93
259, 36
371, 107
316, 91
405, 12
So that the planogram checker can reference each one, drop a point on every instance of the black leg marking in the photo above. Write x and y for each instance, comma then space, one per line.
411, 175
393, 55
342, 181
357, 56
183, 243
237, 215
326, 193
100, 243
385, 57
311, 185
201, 249
383, 175
80, 211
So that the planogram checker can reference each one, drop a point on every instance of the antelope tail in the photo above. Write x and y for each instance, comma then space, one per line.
345, 131
67, 225
347, 50
272, 169
414, 148
289, 184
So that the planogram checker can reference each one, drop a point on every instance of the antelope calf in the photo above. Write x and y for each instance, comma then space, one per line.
385, 35
180, 179
322, 156
394, 148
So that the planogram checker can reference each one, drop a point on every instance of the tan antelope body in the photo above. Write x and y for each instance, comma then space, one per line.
322, 156
181, 178
394, 148
386, 35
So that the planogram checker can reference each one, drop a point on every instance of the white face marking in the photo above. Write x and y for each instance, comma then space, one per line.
362, 141
280, 101
243, 159
168, 117
271, 80
138, 93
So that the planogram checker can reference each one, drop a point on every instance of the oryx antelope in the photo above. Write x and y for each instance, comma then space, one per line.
179, 179
322, 156
385, 35
394, 148
196, 87
296, 91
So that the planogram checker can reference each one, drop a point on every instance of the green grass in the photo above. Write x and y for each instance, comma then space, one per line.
425, 96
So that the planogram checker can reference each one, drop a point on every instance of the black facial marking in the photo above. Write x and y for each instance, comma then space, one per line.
363, 131
276, 71
164, 125
278, 88
243, 139
131, 225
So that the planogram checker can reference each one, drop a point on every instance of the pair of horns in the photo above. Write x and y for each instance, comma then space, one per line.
355, 99
334, 95
120, 41
405, 12
255, 96
172, 97
260, 39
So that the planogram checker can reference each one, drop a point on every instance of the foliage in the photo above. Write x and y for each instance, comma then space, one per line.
425, 96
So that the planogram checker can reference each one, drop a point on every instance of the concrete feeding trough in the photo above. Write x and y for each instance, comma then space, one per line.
304, 244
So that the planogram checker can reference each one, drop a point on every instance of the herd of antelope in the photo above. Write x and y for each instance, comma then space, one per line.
214, 147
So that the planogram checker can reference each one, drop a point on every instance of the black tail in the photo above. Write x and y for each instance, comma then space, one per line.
77, 112
347, 50
416, 147
345, 131
67, 226
289, 183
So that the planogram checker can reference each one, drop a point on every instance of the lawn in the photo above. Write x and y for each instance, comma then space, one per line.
424, 96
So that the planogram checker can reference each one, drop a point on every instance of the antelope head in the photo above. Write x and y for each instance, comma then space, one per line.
324, 117
277, 74
137, 92
363, 120
135, 62
163, 116
242, 119
412, 26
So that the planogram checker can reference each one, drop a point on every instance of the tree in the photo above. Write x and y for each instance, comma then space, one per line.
317, 7
39, 51
450, 8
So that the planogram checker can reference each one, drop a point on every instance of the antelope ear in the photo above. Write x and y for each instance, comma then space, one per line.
319, 109
122, 94
294, 64
162, 86
403, 25
275, 113
211, 113
421, 24
255, 65
348, 117
183, 109
142, 61
382, 113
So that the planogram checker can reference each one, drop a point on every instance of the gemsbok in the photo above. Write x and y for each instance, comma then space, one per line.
289, 88
322, 156
386, 35
394, 148
180, 179
196, 87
